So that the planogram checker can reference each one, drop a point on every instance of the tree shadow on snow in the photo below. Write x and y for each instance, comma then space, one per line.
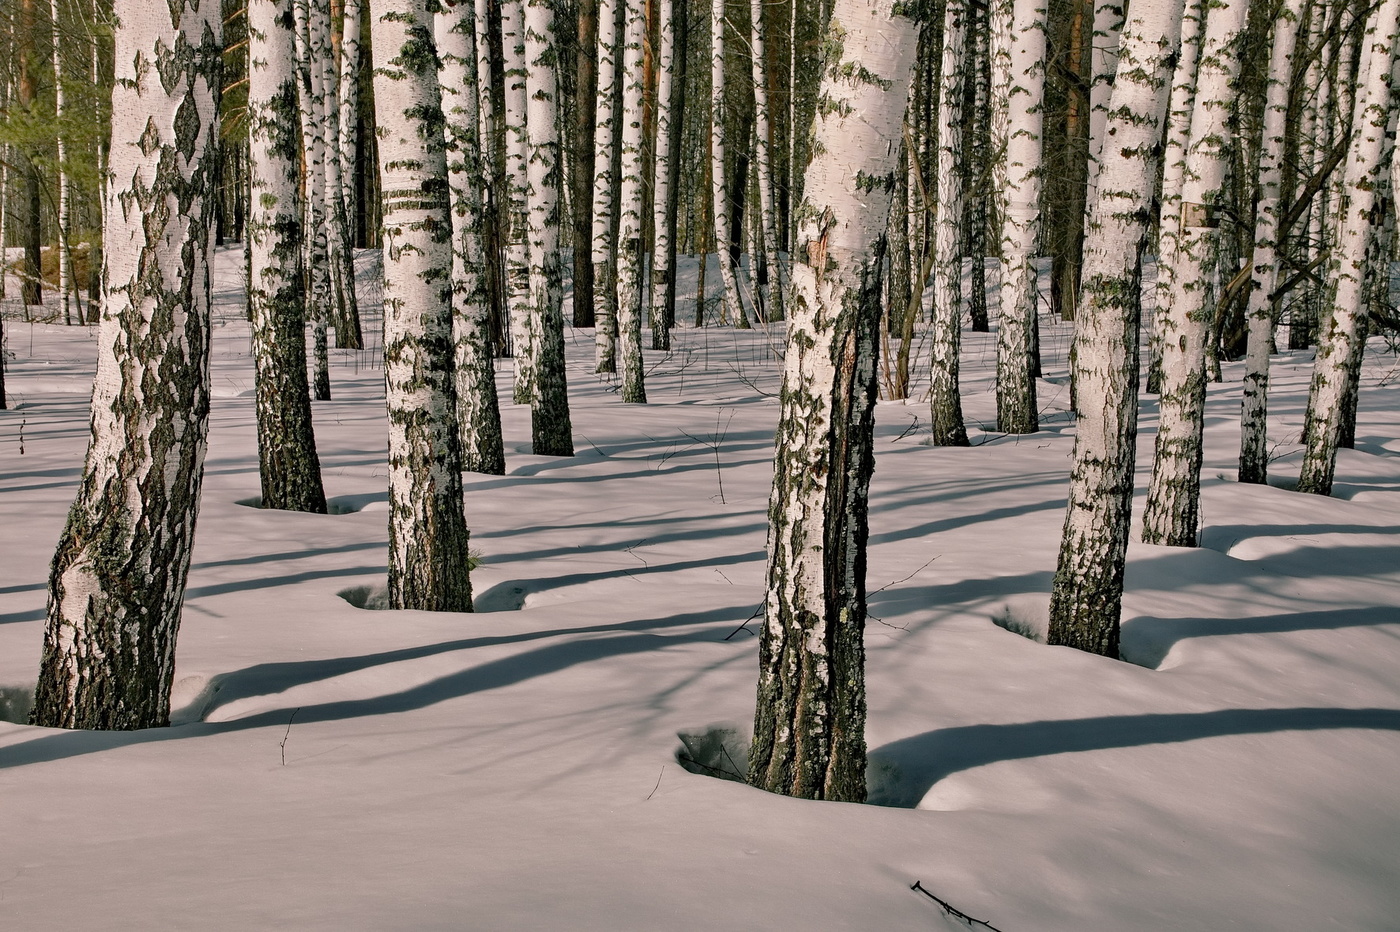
274, 678
907, 769
1147, 640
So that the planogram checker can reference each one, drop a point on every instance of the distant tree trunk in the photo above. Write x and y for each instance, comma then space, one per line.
662, 301
583, 131
340, 253
1343, 334
979, 184
724, 229
478, 408
517, 146
118, 578
311, 101
945, 396
288, 466
1177, 141
629, 247
1254, 420
427, 531
809, 724
65, 257
550, 426
349, 115
1086, 599
1103, 62
767, 219
1172, 514
31, 215
606, 139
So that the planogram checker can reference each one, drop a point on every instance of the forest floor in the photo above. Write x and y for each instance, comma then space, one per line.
335, 767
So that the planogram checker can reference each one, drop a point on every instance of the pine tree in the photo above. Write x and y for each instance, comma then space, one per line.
427, 530
118, 577
1088, 591
809, 724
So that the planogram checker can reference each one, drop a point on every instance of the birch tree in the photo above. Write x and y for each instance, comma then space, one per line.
1088, 590
733, 306
1103, 61
945, 395
605, 140
629, 234
427, 529
772, 289
809, 724
349, 116
311, 103
1344, 331
550, 425
118, 578
1172, 515
65, 259
665, 161
288, 466
1019, 56
340, 255
1254, 420
517, 197
478, 409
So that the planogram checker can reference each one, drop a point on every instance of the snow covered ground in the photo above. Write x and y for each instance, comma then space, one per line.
341, 768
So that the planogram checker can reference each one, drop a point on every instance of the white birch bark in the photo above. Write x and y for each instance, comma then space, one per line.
311, 103
478, 410
289, 470
1019, 38
550, 427
1172, 515
661, 303
1254, 419
340, 262
606, 136
1087, 596
427, 529
771, 281
1103, 62
629, 234
1343, 333
517, 194
65, 259
349, 114
733, 307
118, 577
945, 397
809, 728
1177, 140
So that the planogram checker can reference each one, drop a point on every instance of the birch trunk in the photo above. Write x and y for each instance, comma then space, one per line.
427, 529
288, 466
550, 425
478, 410
65, 258
1343, 333
1019, 38
517, 249
981, 127
605, 140
945, 395
311, 103
1087, 596
809, 725
1178, 138
1103, 61
1254, 419
118, 577
661, 304
349, 115
1172, 515
733, 306
629, 235
340, 255
772, 288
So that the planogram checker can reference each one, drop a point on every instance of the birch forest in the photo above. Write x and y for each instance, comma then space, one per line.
489, 232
